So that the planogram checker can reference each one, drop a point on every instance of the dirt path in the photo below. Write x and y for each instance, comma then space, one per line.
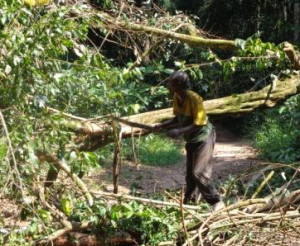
232, 156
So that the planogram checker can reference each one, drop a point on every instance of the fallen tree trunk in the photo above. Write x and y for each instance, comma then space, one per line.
184, 38
100, 133
111, 23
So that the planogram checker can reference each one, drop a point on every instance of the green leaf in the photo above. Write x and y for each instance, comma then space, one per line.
66, 206
240, 43
281, 110
199, 74
44, 215
102, 211
33, 159
40, 101
90, 158
169, 71
7, 69
135, 107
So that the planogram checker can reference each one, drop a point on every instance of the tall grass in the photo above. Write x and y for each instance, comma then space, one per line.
154, 150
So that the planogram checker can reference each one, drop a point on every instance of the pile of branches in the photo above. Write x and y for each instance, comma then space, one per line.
236, 224
230, 225
254, 220
262, 218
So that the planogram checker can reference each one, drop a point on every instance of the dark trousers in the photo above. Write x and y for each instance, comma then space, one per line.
199, 171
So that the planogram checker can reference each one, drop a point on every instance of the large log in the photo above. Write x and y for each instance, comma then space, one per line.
111, 23
184, 38
234, 105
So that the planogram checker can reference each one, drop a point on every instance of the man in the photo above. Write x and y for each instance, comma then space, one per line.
200, 140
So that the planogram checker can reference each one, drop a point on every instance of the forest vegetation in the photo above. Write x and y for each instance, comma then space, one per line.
81, 81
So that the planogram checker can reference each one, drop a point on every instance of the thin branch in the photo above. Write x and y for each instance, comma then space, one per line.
136, 160
143, 200
11, 150
262, 185
117, 155
133, 124
64, 166
121, 10
189, 39
66, 114
261, 220
182, 219
195, 215
144, 55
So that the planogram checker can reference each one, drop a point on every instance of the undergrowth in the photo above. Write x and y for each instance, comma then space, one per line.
149, 225
276, 133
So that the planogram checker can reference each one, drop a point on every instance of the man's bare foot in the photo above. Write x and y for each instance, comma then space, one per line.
218, 206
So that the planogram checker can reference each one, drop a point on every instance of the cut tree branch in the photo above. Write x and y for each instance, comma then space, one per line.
184, 38
292, 55
11, 150
61, 165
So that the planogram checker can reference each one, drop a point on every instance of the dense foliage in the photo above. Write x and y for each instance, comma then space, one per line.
275, 132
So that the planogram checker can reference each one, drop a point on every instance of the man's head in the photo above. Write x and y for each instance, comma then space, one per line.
178, 81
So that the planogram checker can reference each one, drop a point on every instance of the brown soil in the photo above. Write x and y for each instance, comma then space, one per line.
232, 156
10, 215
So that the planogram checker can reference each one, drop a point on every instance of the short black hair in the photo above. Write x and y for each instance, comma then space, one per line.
180, 78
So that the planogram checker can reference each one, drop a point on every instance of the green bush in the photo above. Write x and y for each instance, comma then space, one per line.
276, 142
276, 133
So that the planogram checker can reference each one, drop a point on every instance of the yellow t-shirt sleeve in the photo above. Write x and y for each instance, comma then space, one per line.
198, 112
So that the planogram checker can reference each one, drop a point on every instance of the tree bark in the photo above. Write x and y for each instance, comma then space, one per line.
117, 157
292, 55
51, 176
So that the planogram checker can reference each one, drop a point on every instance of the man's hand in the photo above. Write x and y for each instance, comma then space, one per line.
175, 133
157, 127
